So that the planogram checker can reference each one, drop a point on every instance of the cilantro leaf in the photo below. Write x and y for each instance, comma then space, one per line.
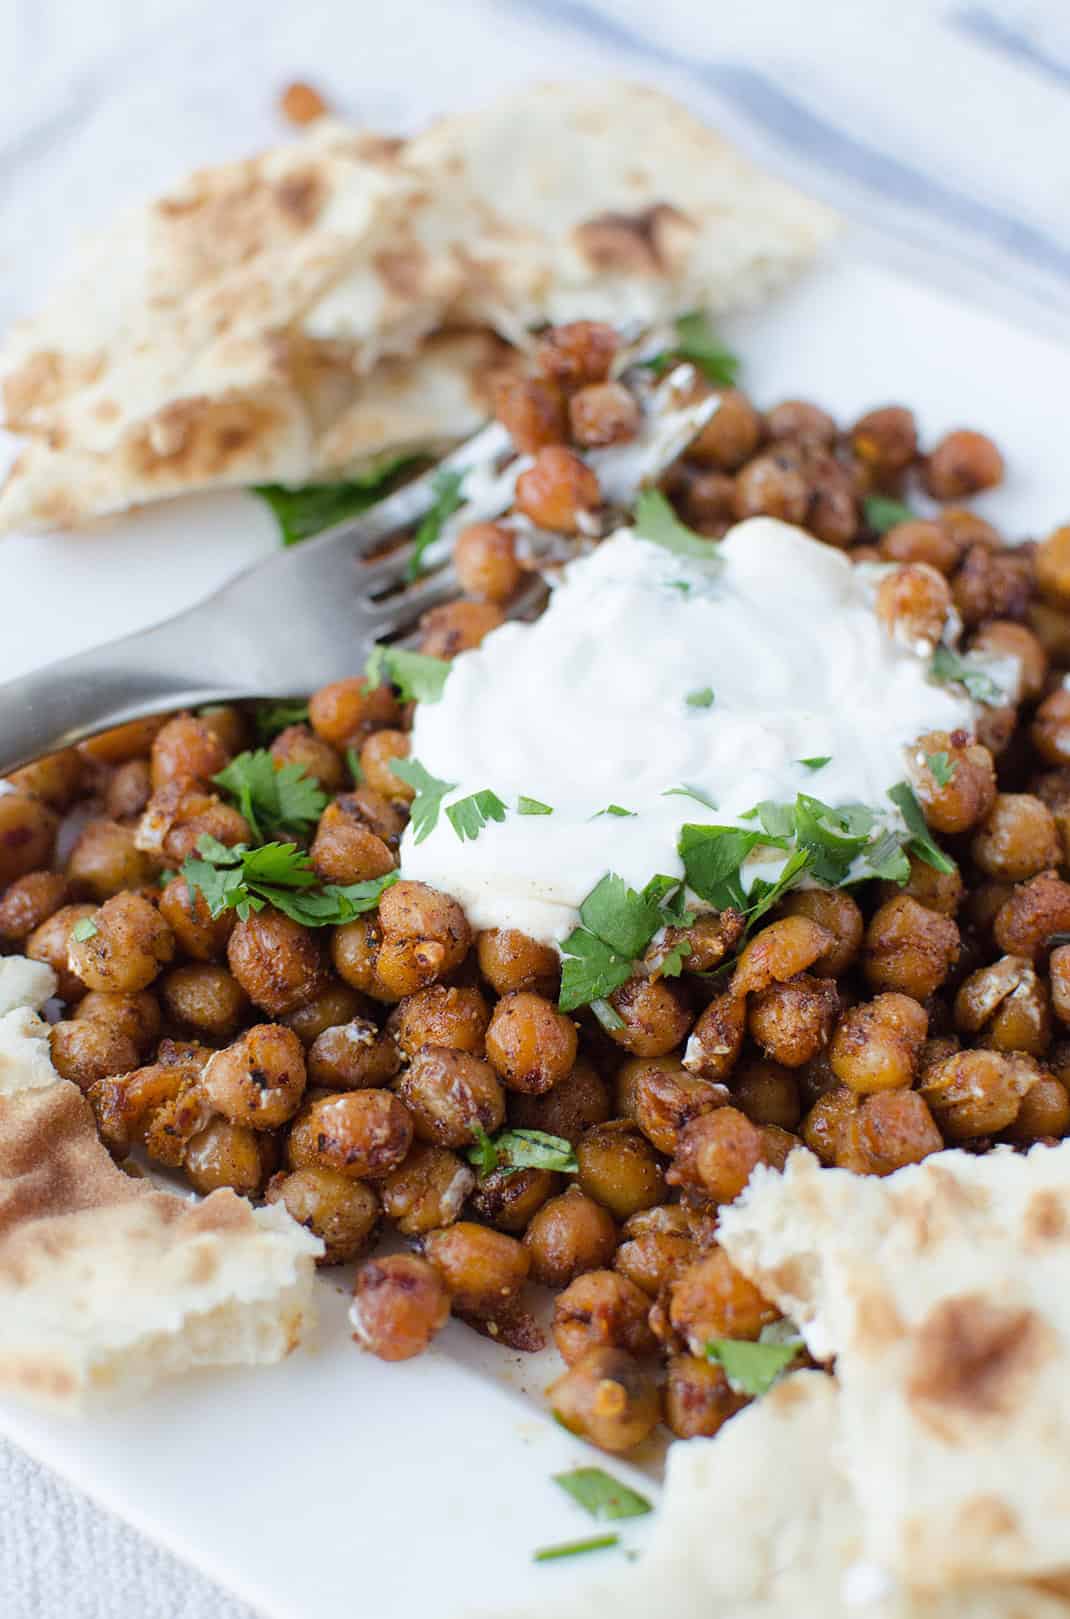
621, 918
303, 512
942, 767
522, 1149
689, 792
883, 513
470, 815
418, 677
818, 762
752, 1368
590, 970
602, 1495
764, 895
483, 1153
682, 585
696, 341
833, 836
84, 929
430, 791
703, 698
921, 841
573, 1548
278, 874
532, 806
656, 521
712, 857
353, 764
672, 963
271, 718
884, 859
777, 819
446, 487
273, 800
970, 673
614, 809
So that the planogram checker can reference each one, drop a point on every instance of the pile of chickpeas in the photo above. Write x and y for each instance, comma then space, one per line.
345, 1072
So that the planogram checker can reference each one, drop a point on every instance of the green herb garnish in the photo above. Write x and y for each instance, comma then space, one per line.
607, 1015
617, 924
354, 766
689, 792
818, 762
274, 801
271, 718
279, 874
614, 809
963, 671
752, 1368
573, 1548
430, 791
703, 698
511, 1150
303, 512
446, 488
418, 677
921, 842
470, 815
656, 521
483, 1153
942, 768
713, 856
882, 513
84, 929
602, 1495
532, 806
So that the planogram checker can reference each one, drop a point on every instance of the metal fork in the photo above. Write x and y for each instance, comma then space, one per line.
301, 618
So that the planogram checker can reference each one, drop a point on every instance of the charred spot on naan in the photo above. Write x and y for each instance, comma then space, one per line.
976, 1358
202, 438
651, 242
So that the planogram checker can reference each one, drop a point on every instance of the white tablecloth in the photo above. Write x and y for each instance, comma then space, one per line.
944, 128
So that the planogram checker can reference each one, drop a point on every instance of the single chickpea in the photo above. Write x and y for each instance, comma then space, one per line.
362, 1134
229, 723
355, 956
427, 1190
532, 411
277, 962
1002, 638
509, 1199
920, 540
29, 901
834, 910
731, 436
876, 1044
55, 779
707, 500
604, 413
186, 749
570, 1234
343, 1213
84, 1051
336, 1003
530, 1044
451, 1095
941, 891
558, 491
651, 1259
607, 1398
664, 1097
457, 626
196, 932
887, 1132
343, 713
1050, 730
376, 758
179, 814
299, 745
135, 1016
576, 1102
399, 1303
698, 1397
913, 604
482, 1269
301, 103
1008, 1006
779, 952
799, 419
484, 556
977, 1093
712, 1299
962, 464
601, 1310
260, 1079
225, 1154
386, 817
205, 999
965, 790
1030, 914
767, 1092
128, 946
122, 742
344, 850
129, 790
773, 484
716, 1154
353, 1056
510, 961
654, 1017
710, 940
885, 441
1044, 1114
1059, 968
824, 1125
576, 354
618, 1168
792, 1022
717, 1038
909, 949
441, 1016
424, 935
50, 942
1017, 839
27, 835
990, 584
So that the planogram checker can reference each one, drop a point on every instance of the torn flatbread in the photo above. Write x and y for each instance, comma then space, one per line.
941, 1290
107, 1285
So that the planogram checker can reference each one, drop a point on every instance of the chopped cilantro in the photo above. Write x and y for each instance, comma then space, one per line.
470, 815
818, 762
607, 1015
521, 1149
614, 809
602, 1495
84, 929
942, 768
532, 806
713, 856
354, 766
883, 513
573, 1548
921, 841
446, 487
703, 698
301, 513
681, 585
617, 924
752, 1368
430, 791
271, 718
166, 877
274, 800
656, 521
418, 677
672, 963
970, 673
483, 1153
696, 341
689, 792
278, 874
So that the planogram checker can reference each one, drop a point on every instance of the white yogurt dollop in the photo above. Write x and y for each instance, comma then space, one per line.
588, 707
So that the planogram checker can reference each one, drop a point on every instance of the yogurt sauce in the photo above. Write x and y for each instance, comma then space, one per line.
588, 707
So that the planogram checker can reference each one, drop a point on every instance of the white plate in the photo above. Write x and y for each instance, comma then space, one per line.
335, 1486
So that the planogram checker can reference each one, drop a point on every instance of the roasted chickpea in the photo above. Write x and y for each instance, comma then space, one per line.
1051, 626
344, 850
654, 1016
260, 1079
885, 441
441, 1016
383, 816
136, 1016
510, 960
577, 353
86, 1050
50, 942
839, 915
913, 604
767, 1092
887, 1132
160, 1106
919, 540
1017, 839
991, 584
509, 1198
530, 1044
558, 491
399, 1303
205, 999
708, 500
651, 1258
484, 556
937, 890
186, 750
352, 1056
277, 962
977, 1093
601, 1310
122, 742
698, 1397
779, 952
1050, 730
457, 626
909, 949
716, 1154
569, 1235
575, 1103
29, 901
773, 484
1044, 1113
427, 1190
482, 1269
876, 1044
362, 1134
54, 779
962, 464
717, 1038
228, 722
662, 1097
1031, 914
196, 931
338, 1003
298, 745
424, 935
129, 790
709, 940
451, 1095
792, 1022
301, 103
618, 1168
1053, 787
712, 1299
355, 954
731, 436
532, 411
343, 1213
608, 1399
1002, 638
376, 757
27, 835
604, 413
1052, 565
129, 944
799, 419
343, 713
179, 814
824, 1124
1009, 1003
1059, 968
225, 1154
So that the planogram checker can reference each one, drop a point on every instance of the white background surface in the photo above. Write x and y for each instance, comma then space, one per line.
945, 125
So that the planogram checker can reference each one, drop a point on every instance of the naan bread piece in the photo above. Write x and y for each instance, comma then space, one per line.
24, 983
609, 202
761, 1523
107, 1285
942, 1292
